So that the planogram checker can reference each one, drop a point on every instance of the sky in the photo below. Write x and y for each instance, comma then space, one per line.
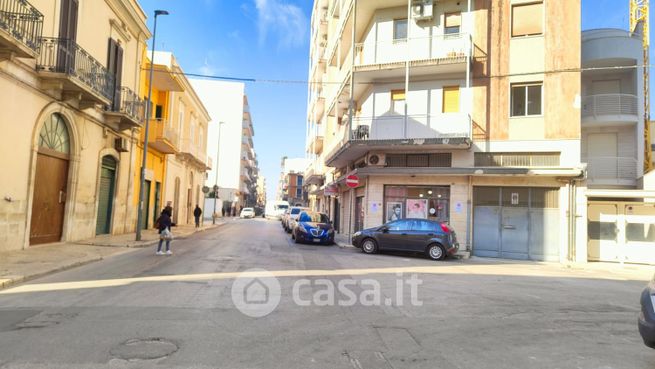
269, 39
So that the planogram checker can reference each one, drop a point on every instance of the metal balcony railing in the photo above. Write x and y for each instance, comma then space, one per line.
129, 104
611, 168
610, 104
452, 46
162, 131
194, 149
394, 127
23, 21
60, 55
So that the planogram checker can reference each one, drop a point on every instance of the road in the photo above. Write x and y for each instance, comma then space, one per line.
138, 310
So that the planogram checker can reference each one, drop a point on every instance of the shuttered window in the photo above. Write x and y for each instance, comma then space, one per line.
434, 160
516, 159
451, 99
452, 23
527, 19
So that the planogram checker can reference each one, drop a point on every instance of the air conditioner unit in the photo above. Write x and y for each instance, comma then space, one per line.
121, 145
422, 9
375, 160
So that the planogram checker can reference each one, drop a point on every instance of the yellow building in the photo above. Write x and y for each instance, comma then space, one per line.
177, 143
68, 69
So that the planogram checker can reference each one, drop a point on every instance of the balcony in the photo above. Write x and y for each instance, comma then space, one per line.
210, 163
316, 144
162, 138
68, 67
441, 54
128, 112
21, 25
399, 133
612, 171
192, 152
610, 109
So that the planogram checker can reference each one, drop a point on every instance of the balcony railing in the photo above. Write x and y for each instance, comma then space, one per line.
22, 21
59, 55
453, 46
603, 169
162, 137
395, 127
610, 104
129, 104
187, 146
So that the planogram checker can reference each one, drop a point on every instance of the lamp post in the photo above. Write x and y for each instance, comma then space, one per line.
147, 128
218, 151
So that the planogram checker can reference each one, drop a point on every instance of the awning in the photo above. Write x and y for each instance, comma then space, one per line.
474, 171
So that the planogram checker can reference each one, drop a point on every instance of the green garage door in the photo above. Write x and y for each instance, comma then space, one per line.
106, 195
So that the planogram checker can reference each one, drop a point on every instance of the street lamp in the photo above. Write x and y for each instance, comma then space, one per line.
147, 128
218, 151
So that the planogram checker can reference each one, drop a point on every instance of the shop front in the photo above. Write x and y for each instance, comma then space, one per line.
424, 202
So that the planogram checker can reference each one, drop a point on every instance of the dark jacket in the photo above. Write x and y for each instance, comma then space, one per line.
169, 210
197, 213
164, 222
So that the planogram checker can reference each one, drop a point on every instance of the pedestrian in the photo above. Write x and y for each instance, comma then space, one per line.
169, 209
234, 211
223, 212
197, 213
164, 225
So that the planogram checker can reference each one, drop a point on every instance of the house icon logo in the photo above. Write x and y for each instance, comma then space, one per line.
256, 292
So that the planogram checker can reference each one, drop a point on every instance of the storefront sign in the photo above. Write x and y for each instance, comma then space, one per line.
331, 190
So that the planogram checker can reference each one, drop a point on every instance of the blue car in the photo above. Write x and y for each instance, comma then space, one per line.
647, 315
313, 227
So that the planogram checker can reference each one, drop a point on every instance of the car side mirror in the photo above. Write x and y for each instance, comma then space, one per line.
384, 229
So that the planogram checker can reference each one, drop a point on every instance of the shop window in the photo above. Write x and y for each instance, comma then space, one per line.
602, 231
423, 202
527, 19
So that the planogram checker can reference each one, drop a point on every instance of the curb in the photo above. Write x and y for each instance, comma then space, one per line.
10, 282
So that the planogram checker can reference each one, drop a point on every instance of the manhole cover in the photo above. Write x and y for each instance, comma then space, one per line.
144, 349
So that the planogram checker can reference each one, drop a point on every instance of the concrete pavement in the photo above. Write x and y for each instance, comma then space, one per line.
139, 310
38, 261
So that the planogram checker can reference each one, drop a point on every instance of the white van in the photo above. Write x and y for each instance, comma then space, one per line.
274, 209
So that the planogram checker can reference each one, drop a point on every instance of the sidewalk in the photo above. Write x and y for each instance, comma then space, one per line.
38, 261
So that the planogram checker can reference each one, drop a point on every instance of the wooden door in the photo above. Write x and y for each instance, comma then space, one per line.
49, 202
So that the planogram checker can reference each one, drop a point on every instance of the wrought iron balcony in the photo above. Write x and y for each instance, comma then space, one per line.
65, 59
21, 25
127, 107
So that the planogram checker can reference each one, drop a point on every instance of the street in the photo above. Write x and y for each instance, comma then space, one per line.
138, 310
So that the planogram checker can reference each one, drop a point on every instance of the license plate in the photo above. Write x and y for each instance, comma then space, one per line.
652, 300
317, 240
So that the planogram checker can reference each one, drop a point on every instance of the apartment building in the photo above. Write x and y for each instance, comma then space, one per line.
70, 76
291, 185
229, 144
620, 201
186, 170
467, 112
261, 191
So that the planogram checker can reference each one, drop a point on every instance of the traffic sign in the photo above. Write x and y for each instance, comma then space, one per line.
352, 181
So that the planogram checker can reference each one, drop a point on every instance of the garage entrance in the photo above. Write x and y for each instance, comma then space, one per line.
516, 223
621, 231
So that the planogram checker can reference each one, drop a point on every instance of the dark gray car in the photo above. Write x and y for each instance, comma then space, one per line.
647, 314
436, 239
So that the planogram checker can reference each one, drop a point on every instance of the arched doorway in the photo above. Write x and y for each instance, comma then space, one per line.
176, 200
50, 181
189, 204
106, 194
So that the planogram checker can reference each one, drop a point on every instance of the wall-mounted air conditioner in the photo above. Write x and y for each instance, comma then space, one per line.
376, 160
120, 144
422, 9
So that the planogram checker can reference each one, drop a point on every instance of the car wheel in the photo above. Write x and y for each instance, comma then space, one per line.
369, 246
650, 344
436, 252
295, 239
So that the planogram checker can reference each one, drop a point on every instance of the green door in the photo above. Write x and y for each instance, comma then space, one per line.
146, 205
106, 195
156, 209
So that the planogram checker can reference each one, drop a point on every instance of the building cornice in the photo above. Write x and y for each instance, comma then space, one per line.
131, 17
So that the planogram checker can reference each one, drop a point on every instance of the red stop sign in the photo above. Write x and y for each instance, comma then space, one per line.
352, 181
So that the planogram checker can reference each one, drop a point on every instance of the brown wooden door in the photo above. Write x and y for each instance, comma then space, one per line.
49, 201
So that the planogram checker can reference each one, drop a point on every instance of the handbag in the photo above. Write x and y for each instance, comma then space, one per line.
166, 235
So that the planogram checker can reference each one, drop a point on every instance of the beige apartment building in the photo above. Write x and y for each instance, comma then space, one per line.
466, 112
70, 77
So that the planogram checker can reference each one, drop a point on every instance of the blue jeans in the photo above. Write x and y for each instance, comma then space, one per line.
168, 245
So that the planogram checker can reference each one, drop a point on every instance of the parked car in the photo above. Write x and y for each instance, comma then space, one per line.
313, 227
436, 239
290, 220
647, 314
283, 218
247, 213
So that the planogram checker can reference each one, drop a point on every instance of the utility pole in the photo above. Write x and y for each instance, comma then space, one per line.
218, 151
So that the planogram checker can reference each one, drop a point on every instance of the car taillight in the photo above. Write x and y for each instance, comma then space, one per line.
445, 228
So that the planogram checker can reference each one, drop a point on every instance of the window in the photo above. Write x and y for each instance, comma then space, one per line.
399, 29
299, 181
526, 99
527, 19
452, 23
299, 193
451, 99
398, 101
180, 123
159, 112
400, 225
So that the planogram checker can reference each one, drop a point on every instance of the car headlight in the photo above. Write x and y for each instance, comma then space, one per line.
357, 234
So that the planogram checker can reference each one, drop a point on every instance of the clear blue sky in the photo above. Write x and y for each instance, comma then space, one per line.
269, 39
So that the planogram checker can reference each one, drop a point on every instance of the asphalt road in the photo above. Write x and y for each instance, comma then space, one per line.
138, 310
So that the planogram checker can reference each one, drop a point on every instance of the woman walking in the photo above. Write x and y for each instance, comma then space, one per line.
164, 226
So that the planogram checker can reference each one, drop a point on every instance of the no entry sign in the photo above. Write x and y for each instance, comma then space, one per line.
352, 181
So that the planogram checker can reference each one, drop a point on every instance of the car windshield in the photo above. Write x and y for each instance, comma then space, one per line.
248, 209
295, 211
282, 207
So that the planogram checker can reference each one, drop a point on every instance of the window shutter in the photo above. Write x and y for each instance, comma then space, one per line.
451, 99
453, 20
527, 19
